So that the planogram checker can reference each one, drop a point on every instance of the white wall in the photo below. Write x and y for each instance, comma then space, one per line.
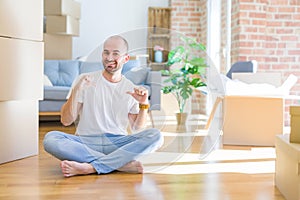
102, 18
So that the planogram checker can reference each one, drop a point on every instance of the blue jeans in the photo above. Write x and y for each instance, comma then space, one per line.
105, 152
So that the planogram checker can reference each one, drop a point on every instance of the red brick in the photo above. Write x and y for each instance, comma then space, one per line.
271, 59
257, 15
280, 66
287, 59
274, 24
281, 45
279, 2
286, 9
181, 14
284, 31
289, 38
282, 16
294, 52
292, 23
295, 2
258, 22
270, 45
250, 29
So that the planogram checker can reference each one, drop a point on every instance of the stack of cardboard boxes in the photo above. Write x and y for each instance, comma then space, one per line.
21, 83
61, 23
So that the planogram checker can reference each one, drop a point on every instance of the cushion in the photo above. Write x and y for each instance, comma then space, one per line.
138, 75
61, 72
130, 65
241, 67
47, 82
56, 92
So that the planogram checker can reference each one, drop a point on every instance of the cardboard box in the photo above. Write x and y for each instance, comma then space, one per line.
22, 19
58, 47
253, 114
65, 25
252, 120
62, 7
295, 124
287, 178
19, 129
21, 69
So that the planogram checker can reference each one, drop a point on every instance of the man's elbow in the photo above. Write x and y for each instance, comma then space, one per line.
66, 123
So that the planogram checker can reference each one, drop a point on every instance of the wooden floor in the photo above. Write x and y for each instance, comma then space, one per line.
229, 173
39, 177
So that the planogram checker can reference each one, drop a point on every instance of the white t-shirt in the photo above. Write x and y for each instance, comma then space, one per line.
105, 106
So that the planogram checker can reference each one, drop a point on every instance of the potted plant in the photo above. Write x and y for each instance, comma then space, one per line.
188, 75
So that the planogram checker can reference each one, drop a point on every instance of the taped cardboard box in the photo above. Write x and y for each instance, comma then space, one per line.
58, 47
253, 111
250, 120
64, 25
62, 7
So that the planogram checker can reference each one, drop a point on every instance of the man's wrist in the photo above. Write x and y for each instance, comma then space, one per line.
143, 106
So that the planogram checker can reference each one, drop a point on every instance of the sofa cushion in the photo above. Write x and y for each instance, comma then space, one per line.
47, 82
56, 92
138, 75
86, 67
130, 65
50, 105
61, 72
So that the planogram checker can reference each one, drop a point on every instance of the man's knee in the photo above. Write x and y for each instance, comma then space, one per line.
156, 136
50, 141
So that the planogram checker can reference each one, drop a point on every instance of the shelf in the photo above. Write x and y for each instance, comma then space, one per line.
157, 63
154, 35
158, 66
159, 35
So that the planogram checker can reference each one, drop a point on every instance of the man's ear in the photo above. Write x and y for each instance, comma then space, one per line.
126, 58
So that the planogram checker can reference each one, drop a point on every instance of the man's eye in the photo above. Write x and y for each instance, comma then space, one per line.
116, 54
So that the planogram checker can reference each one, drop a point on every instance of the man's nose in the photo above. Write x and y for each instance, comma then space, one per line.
110, 57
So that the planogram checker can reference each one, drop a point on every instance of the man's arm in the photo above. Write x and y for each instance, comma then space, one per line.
71, 109
138, 121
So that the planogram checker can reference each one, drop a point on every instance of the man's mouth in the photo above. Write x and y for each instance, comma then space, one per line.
112, 64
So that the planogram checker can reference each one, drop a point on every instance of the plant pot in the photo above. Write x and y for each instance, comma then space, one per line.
181, 122
181, 118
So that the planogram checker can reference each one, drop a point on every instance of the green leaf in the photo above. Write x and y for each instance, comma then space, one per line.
195, 81
175, 55
165, 72
198, 62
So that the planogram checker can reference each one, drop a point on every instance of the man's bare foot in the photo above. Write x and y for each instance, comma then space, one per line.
132, 167
72, 168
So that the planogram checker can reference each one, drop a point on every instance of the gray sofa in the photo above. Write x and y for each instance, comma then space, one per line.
60, 74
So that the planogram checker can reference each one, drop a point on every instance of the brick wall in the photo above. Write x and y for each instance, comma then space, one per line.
188, 17
264, 30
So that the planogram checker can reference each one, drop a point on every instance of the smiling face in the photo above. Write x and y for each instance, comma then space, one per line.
114, 54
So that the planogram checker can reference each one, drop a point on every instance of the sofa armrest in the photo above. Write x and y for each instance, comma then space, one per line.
154, 81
